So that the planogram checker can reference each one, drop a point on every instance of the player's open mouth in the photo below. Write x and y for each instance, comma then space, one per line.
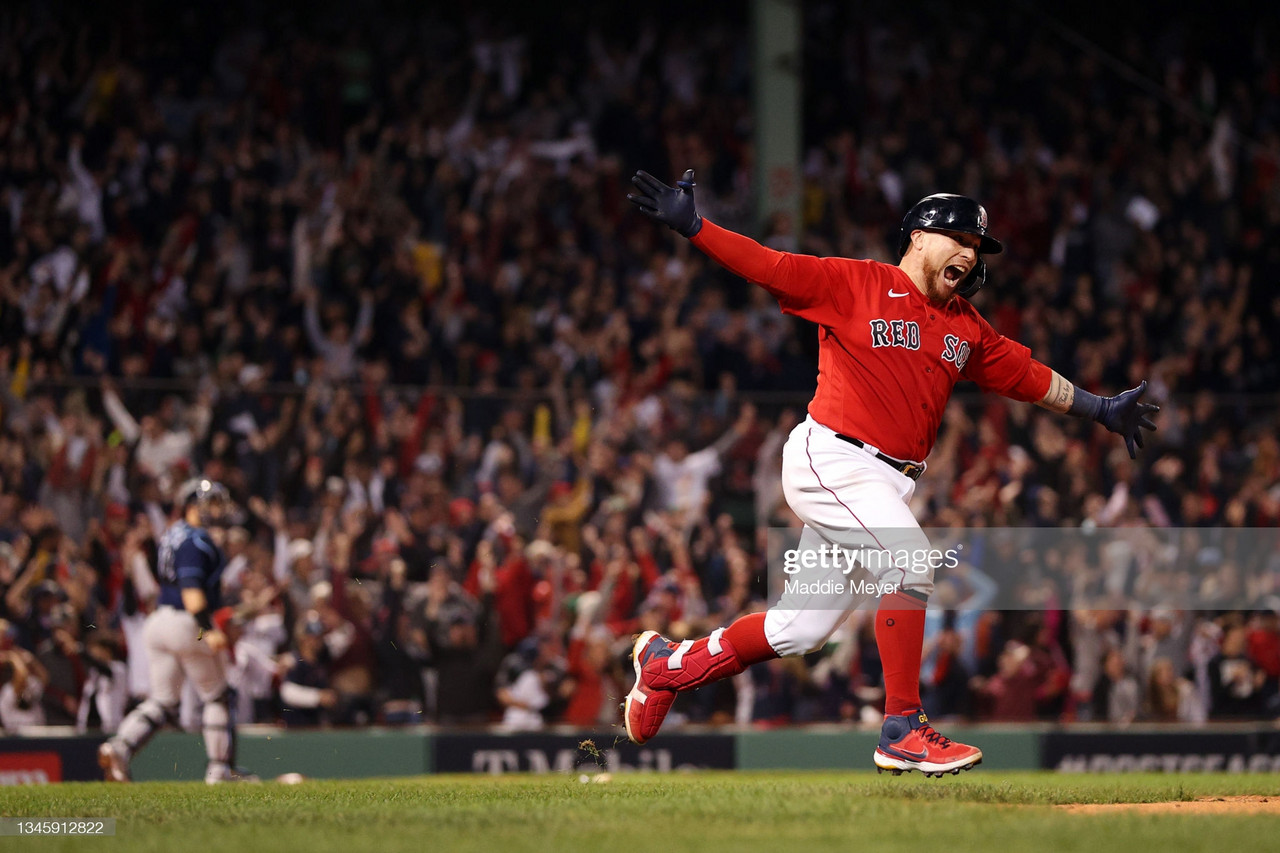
953, 273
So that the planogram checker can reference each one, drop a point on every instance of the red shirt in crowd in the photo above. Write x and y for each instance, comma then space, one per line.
1264, 650
512, 597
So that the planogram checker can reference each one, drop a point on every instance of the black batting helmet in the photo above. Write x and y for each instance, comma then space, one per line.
951, 212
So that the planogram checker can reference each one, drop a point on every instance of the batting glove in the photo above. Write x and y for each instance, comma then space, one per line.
672, 206
1122, 414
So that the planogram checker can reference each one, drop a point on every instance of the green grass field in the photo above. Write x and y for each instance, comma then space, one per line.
705, 812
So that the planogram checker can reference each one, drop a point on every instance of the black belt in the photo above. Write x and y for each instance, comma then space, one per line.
911, 469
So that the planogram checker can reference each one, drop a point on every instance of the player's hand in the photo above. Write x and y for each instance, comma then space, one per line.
215, 639
1126, 415
672, 206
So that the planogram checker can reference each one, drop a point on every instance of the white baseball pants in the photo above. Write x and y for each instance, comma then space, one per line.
846, 497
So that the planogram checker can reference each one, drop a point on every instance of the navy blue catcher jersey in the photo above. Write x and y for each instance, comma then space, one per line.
188, 559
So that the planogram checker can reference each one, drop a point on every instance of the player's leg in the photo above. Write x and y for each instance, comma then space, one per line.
864, 494
190, 707
206, 671
798, 623
860, 504
219, 732
159, 709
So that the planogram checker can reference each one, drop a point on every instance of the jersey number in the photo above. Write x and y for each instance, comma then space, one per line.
167, 552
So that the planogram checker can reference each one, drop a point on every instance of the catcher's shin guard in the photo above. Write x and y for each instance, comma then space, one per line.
664, 668
220, 729
141, 724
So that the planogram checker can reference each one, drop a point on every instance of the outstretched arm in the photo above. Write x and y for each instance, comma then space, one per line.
804, 285
1123, 414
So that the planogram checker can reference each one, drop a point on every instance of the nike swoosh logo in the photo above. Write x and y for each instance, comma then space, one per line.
910, 756
892, 293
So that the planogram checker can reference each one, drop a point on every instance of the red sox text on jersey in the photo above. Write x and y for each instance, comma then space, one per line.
906, 334
888, 358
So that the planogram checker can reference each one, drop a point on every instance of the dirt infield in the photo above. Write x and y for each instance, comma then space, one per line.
1200, 806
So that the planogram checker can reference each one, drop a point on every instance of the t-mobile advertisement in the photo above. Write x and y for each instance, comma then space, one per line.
537, 752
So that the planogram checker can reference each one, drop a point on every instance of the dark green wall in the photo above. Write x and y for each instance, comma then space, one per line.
315, 754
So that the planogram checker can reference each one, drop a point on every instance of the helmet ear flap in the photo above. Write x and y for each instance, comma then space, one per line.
904, 241
974, 281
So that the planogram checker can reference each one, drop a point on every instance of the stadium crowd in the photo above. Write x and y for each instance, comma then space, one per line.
483, 423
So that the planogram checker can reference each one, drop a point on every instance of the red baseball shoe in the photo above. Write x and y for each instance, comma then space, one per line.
908, 742
646, 706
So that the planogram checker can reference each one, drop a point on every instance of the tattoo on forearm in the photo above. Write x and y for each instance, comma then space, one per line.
1061, 395
1066, 393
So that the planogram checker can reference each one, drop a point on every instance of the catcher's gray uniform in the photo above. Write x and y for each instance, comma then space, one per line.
188, 558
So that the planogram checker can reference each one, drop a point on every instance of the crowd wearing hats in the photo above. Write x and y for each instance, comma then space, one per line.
483, 423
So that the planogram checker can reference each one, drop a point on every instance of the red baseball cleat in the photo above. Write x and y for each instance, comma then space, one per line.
646, 706
908, 742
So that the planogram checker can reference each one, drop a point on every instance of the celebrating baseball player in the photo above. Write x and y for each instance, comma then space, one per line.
183, 643
893, 342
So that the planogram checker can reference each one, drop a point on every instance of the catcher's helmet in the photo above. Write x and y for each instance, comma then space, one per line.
950, 212
204, 494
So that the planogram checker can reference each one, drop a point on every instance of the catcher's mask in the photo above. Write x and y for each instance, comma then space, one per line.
210, 498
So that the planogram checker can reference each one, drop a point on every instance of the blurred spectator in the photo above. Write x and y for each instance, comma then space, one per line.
105, 695
1264, 652
528, 682
1022, 680
682, 476
1235, 683
591, 678
61, 655
1166, 638
1171, 699
305, 694
350, 654
1010, 693
22, 680
1117, 696
946, 685
402, 654
465, 652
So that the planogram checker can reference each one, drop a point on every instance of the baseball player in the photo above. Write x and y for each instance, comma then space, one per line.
893, 342
183, 643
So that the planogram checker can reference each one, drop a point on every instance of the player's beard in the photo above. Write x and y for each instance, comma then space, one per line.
937, 288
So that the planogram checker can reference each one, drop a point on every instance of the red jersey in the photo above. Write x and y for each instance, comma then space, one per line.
888, 358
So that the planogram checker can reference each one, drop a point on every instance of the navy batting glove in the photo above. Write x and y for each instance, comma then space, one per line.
1122, 414
672, 206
